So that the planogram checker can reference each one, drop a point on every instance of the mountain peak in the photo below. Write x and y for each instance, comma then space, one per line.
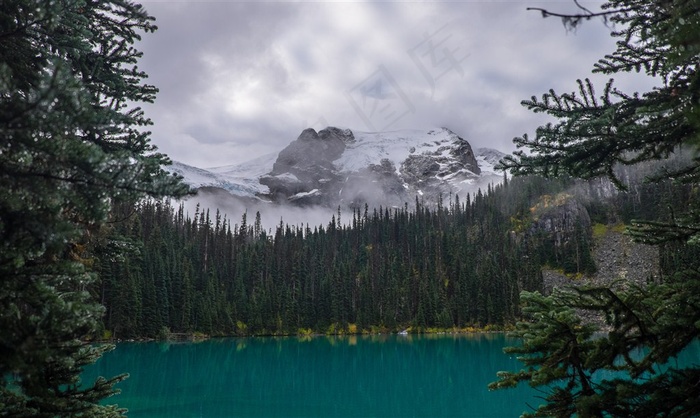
340, 167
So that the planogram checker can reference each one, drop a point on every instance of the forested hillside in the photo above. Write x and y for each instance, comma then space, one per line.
455, 264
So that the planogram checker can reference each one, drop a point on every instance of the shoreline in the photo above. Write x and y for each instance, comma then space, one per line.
194, 337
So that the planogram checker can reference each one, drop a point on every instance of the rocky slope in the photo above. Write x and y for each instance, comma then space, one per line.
619, 262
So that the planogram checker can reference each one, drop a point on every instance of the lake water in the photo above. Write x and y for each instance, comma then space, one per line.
349, 376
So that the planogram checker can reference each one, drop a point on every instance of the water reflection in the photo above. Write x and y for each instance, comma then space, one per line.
343, 376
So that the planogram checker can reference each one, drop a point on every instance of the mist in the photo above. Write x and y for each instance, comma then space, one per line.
354, 198
271, 214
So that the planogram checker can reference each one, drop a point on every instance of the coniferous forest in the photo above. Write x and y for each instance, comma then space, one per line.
92, 249
456, 264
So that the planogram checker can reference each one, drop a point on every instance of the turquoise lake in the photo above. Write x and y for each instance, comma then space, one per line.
349, 376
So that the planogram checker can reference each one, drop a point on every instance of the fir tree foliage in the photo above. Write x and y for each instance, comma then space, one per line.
627, 368
451, 265
71, 145
595, 133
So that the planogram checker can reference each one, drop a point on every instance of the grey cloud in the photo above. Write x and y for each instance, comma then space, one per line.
244, 78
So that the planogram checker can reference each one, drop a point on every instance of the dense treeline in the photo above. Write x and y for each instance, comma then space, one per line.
456, 264
452, 264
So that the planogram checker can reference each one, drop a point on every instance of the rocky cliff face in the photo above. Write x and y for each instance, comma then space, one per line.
304, 169
336, 167
311, 156
559, 217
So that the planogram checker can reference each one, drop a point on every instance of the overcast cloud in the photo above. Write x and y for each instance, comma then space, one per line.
241, 79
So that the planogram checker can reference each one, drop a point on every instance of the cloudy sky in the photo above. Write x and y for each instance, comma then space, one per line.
239, 80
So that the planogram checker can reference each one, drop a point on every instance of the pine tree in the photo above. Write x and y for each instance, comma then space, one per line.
648, 326
70, 147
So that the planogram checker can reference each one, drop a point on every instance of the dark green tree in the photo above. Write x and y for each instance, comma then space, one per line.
628, 369
71, 145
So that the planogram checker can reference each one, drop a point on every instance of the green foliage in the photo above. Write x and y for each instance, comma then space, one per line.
645, 327
164, 334
304, 332
594, 134
69, 148
599, 230
459, 267
562, 353
455, 266
555, 350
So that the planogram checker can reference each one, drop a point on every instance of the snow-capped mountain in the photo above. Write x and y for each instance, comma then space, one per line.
488, 158
339, 167
239, 180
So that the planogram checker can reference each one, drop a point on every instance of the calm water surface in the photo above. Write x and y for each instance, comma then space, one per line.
351, 376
